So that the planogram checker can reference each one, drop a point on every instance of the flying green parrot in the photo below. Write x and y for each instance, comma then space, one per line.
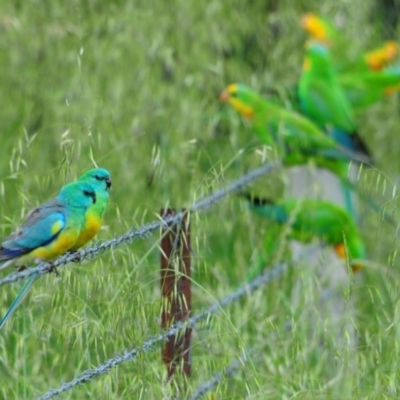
59, 225
324, 32
311, 218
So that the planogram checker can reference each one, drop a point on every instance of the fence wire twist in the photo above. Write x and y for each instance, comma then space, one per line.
144, 231
89, 374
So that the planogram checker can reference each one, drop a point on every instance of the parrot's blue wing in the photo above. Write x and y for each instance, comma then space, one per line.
42, 226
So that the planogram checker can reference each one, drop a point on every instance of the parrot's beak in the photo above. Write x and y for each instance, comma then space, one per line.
108, 182
224, 96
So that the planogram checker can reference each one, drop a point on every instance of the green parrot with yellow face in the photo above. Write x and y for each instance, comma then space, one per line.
296, 138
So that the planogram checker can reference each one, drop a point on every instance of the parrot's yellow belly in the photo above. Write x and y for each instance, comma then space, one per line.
92, 226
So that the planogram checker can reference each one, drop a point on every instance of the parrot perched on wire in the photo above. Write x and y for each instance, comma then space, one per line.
311, 219
62, 224
324, 32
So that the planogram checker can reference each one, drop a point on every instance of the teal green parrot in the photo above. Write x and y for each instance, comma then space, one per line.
311, 219
55, 227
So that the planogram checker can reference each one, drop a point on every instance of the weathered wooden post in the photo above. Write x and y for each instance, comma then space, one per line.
176, 292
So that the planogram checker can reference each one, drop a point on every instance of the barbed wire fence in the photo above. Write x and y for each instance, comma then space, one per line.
228, 372
144, 231
247, 289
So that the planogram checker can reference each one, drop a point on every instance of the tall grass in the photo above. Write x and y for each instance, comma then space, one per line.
133, 87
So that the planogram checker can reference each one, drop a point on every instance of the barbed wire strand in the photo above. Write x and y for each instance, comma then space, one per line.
144, 231
229, 371
89, 374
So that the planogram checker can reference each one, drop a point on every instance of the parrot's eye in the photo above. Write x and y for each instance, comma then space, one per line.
107, 179
88, 193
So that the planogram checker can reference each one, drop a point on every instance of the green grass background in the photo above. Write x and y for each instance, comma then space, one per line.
133, 86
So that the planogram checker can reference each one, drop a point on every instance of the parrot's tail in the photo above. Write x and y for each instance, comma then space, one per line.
21, 295
352, 142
